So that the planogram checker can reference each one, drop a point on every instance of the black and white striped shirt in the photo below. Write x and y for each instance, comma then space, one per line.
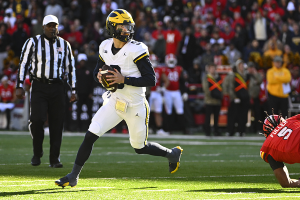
47, 61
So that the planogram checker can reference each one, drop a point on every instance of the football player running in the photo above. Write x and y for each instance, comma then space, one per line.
133, 72
281, 145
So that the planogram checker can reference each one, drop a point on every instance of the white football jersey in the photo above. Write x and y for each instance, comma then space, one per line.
126, 59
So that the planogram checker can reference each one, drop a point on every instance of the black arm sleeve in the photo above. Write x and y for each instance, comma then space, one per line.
274, 164
148, 76
99, 65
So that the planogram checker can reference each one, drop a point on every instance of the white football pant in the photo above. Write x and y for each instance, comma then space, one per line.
156, 102
173, 98
136, 118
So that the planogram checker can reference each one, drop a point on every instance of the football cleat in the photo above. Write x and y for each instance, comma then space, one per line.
64, 181
173, 167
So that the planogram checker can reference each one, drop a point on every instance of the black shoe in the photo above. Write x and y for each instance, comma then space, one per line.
35, 161
173, 166
56, 165
64, 181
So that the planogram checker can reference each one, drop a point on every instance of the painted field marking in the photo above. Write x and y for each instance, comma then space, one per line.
20, 185
276, 197
120, 135
201, 143
117, 178
164, 190
192, 161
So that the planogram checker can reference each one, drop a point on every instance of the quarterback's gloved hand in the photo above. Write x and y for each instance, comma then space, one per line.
185, 96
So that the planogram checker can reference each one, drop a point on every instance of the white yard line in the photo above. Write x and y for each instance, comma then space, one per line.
116, 178
192, 161
164, 190
120, 135
201, 143
273, 197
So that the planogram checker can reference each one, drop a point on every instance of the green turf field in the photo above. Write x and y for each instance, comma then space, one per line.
211, 168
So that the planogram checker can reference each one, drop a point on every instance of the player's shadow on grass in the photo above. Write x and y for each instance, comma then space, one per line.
244, 190
141, 188
56, 190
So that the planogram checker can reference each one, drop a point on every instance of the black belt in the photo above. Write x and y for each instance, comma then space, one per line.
48, 81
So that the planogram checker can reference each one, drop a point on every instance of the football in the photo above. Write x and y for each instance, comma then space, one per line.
105, 82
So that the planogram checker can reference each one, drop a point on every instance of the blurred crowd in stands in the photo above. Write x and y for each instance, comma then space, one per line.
198, 32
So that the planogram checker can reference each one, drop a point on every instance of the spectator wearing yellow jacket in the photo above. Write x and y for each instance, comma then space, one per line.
278, 87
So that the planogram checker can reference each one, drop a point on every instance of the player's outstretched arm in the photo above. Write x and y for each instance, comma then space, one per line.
284, 179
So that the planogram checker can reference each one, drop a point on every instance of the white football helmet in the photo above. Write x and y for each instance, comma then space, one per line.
171, 60
154, 60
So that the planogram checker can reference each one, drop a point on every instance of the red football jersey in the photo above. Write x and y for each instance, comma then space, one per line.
284, 142
6, 94
173, 75
158, 72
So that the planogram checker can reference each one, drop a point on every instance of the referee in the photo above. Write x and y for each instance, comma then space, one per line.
47, 58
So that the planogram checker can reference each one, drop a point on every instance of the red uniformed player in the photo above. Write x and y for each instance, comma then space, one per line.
6, 90
172, 94
7, 96
282, 146
156, 99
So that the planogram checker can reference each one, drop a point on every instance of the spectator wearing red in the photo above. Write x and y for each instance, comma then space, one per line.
159, 30
14, 28
74, 37
227, 34
223, 20
237, 19
217, 12
209, 6
233, 8
172, 37
267, 5
275, 9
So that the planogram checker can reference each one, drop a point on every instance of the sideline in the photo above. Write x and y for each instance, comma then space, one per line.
121, 135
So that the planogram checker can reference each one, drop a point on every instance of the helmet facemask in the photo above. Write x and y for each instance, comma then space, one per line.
122, 35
